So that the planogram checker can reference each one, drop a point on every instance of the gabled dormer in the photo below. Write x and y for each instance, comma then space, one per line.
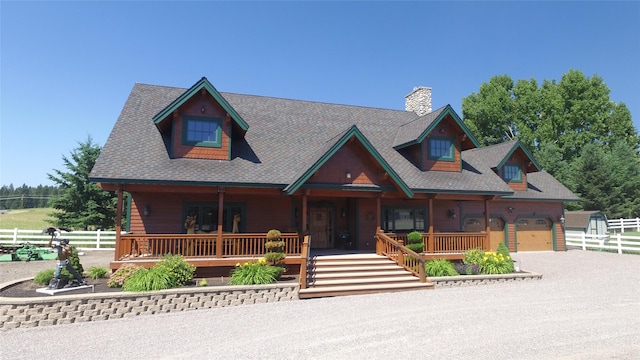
199, 124
514, 163
434, 141
348, 161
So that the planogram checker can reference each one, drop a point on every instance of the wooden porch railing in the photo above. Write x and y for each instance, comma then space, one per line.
402, 255
200, 245
449, 243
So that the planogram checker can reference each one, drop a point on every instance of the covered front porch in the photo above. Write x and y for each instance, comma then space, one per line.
219, 250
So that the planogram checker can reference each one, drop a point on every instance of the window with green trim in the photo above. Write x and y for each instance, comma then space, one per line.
202, 131
441, 149
512, 173
403, 219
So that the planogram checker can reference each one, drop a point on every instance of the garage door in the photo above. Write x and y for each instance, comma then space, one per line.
476, 224
534, 234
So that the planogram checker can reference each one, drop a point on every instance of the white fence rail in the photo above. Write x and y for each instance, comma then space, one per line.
622, 224
617, 242
83, 240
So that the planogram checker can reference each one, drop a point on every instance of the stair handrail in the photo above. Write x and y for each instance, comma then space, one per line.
401, 255
304, 264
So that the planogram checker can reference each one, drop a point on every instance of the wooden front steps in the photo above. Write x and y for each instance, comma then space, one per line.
337, 275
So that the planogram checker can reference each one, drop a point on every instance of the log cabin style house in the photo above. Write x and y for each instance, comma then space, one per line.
347, 176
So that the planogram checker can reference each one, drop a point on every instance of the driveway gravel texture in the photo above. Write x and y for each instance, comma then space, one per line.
586, 306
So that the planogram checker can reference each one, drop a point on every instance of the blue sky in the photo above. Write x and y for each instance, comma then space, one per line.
66, 68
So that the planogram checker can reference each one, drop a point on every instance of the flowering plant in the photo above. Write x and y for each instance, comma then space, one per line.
255, 273
489, 262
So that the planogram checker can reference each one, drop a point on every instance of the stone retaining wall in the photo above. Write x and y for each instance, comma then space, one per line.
472, 280
65, 309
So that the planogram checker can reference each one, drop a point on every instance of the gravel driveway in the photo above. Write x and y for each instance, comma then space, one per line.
587, 306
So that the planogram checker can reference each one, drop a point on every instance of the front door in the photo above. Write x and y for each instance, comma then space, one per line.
320, 228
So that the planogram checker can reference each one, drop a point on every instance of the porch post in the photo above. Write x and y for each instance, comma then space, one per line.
430, 239
304, 213
220, 213
118, 220
486, 221
378, 227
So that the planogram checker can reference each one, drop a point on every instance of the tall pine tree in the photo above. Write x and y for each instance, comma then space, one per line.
82, 205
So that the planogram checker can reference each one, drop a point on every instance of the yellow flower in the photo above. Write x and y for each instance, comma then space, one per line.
238, 264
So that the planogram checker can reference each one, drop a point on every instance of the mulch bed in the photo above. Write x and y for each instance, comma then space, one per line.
28, 288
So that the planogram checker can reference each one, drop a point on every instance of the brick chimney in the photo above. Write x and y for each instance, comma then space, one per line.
419, 100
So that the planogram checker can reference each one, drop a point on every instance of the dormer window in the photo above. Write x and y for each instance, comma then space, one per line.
512, 173
202, 131
441, 148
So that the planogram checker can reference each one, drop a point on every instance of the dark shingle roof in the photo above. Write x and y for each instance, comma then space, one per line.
283, 139
579, 219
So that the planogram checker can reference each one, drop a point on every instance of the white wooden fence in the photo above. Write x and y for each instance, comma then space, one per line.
622, 224
83, 240
616, 242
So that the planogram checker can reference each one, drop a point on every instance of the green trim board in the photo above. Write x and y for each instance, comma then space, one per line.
448, 110
201, 84
353, 131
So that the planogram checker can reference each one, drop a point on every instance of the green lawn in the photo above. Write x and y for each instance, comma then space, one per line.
25, 219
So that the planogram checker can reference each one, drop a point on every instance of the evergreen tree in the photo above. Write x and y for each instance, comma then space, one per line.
82, 205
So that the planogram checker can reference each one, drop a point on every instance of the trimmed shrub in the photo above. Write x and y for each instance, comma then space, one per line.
274, 257
414, 237
273, 235
416, 247
44, 276
120, 276
274, 247
440, 267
